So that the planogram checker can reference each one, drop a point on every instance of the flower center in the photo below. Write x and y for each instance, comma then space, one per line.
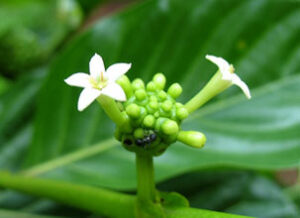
99, 83
231, 69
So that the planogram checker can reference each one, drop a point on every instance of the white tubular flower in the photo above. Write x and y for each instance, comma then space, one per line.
227, 71
99, 82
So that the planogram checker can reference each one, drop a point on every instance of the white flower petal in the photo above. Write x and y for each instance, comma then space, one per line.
96, 66
78, 79
237, 81
222, 64
114, 91
87, 96
117, 70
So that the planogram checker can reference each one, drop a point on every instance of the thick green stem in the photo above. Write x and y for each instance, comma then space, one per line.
145, 178
96, 200
111, 109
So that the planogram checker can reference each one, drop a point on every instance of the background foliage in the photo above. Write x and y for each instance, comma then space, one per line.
42, 133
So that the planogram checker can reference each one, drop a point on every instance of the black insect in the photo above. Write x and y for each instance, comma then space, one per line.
147, 140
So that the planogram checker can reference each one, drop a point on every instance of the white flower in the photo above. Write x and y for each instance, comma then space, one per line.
227, 71
99, 82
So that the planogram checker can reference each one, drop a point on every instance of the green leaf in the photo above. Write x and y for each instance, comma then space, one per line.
14, 214
257, 134
31, 30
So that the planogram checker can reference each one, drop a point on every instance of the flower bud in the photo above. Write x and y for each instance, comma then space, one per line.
170, 127
124, 82
181, 113
138, 84
151, 87
138, 133
192, 138
133, 111
149, 121
167, 105
140, 94
162, 95
175, 90
160, 80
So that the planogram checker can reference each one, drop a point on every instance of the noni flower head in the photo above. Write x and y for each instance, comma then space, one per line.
99, 81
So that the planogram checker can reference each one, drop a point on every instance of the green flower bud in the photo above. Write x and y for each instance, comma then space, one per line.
160, 80
124, 82
149, 121
140, 94
175, 90
178, 105
138, 84
192, 138
151, 87
133, 110
167, 105
162, 95
170, 127
138, 133
153, 105
153, 98
156, 114
181, 113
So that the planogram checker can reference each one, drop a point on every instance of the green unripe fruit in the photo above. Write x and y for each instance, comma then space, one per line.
133, 111
138, 133
149, 121
140, 94
151, 87
170, 127
160, 80
167, 105
175, 90
138, 84
192, 138
124, 82
162, 95
182, 113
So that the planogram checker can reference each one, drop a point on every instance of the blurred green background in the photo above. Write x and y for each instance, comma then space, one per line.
250, 162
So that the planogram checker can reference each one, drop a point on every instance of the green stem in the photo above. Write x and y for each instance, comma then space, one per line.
111, 109
145, 178
96, 200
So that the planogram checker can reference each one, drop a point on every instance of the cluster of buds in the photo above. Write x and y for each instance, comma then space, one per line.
148, 118
153, 115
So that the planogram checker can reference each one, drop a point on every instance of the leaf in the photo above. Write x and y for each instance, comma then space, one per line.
30, 31
257, 134
13, 214
241, 193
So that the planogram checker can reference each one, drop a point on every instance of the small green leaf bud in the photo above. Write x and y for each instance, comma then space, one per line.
160, 80
181, 113
149, 121
167, 105
170, 127
192, 138
133, 111
140, 94
138, 133
162, 95
175, 90
151, 87
124, 82
138, 84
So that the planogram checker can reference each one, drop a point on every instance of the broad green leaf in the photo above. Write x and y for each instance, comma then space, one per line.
31, 30
259, 37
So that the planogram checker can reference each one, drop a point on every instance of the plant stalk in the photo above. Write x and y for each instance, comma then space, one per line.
96, 200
